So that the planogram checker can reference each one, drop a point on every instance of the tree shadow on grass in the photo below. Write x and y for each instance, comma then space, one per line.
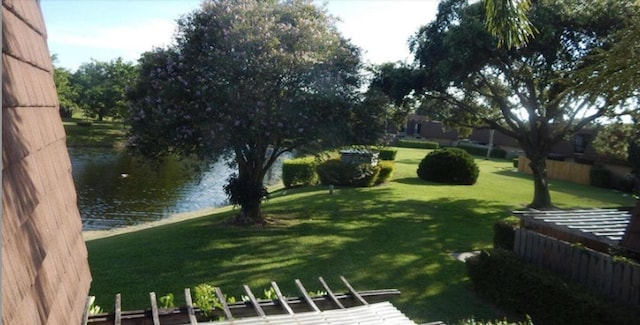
362, 234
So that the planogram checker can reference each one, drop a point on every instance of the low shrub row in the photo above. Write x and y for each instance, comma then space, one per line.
478, 150
501, 277
405, 143
449, 166
299, 171
387, 154
336, 172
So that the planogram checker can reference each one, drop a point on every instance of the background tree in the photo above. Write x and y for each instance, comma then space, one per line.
251, 80
67, 92
527, 93
102, 87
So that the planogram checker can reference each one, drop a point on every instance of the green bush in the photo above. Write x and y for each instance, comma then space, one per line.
516, 161
404, 143
386, 171
478, 150
299, 171
505, 280
450, 166
387, 154
599, 176
335, 172
504, 235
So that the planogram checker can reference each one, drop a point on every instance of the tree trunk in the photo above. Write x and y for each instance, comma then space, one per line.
541, 195
249, 193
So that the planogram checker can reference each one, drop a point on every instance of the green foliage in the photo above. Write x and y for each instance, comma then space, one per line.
405, 143
244, 191
336, 172
102, 87
387, 154
449, 165
504, 235
166, 301
482, 150
386, 171
510, 283
254, 79
205, 298
299, 171
516, 161
93, 308
66, 90
599, 176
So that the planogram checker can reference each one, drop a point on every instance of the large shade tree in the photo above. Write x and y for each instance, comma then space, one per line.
529, 93
249, 80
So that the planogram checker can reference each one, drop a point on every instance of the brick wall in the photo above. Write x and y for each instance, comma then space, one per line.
45, 272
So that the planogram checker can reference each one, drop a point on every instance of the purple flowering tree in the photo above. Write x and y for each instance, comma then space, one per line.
250, 80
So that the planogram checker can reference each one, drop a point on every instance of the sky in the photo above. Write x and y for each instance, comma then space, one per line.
81, 30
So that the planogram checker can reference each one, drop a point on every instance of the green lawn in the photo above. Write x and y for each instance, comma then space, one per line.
399, 235
100, 134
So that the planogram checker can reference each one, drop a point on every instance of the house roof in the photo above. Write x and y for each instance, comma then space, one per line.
603, 225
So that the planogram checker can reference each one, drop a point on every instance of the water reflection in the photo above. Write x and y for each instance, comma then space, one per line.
115, 190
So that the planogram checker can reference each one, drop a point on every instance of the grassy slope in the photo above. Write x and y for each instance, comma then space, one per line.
398, 235
100, 134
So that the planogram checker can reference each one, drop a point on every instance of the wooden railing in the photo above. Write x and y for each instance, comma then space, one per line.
601, 272
191, 314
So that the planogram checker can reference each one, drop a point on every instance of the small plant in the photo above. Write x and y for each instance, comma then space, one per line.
516, 161
166, 301
450, 166
205, 298
318, 293
93, 308
387, 154
386, 171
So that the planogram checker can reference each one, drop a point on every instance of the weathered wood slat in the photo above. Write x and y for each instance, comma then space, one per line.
281, 299
118, 318
154, 308
223, 302
353, 291
254, 301
190, 310
330, 293
306, 296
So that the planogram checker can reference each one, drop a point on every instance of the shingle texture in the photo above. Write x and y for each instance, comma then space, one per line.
45, 272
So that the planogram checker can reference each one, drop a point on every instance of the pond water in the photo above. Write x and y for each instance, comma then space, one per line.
115, 190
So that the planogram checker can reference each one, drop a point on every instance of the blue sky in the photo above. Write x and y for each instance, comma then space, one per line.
79, 30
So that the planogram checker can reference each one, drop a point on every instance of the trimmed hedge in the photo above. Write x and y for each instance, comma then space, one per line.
516, 161
504, 235
478, 150
386, 171
299, 171
387, 154
404, 143
336, 172
505, 280
449, 166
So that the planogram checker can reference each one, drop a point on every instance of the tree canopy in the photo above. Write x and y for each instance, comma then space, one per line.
247, 79
102, 87
530, 93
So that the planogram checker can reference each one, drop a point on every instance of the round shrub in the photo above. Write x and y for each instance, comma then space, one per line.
386, 171
450, 166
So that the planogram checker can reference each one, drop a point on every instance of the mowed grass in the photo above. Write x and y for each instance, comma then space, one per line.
105, 134
398, 235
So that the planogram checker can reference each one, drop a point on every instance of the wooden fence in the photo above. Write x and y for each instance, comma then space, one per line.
560, 170
598, 271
